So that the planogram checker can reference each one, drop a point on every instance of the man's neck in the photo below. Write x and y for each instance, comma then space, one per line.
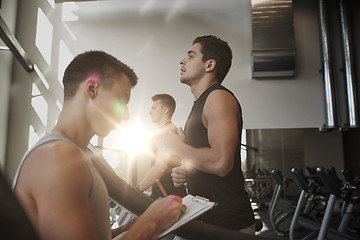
200, 87
76, 130
164, 122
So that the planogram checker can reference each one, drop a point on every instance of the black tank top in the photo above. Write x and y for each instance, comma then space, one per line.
234, 210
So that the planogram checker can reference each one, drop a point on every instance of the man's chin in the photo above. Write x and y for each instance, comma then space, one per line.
102, 135
105, 132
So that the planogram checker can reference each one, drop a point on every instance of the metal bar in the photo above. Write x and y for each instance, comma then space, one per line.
250, 147
349, 66
14, 46
327, 217
328, 74
345, 221
299, 206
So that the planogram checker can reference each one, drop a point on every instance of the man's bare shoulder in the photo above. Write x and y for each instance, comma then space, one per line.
54, 162
54, 181
163, 132
55, 153
172, 128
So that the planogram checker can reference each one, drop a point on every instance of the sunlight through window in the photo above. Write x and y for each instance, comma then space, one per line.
95, 141
33, 137
243, 151
44, 36
52, 3
119, 161
35, 91
39, 104
131, 139
41, 76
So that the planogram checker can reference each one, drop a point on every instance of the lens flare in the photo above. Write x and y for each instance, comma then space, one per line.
95, 76
129, 137
119, 108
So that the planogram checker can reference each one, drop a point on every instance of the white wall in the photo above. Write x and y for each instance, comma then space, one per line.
154, 43
152, 39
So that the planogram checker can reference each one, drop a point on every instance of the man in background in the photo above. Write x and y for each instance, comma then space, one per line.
161, 112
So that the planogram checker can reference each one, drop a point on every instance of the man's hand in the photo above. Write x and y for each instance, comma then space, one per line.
178, 176
173, 140
165, 212
159, 216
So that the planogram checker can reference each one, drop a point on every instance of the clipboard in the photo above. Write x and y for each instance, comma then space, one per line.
195, 206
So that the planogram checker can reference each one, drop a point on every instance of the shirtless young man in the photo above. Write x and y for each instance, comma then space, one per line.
161, 113
62, 192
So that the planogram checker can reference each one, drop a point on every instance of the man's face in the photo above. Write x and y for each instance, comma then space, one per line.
111, 106
156, 111
192, 66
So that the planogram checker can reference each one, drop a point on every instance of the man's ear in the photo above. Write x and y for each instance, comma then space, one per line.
165, 109
210, 65
92, 86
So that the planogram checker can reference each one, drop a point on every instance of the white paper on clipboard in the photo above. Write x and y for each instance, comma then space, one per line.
195, 206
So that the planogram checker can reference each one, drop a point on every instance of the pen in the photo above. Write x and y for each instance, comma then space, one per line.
161, 187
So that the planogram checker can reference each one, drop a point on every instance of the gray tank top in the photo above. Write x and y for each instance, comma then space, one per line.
98, 197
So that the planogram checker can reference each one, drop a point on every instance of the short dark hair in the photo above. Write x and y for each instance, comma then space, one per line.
102, 64
213, 47
167, 100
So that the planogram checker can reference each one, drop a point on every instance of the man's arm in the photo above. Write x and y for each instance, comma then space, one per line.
119, 230
159, 216
155, 172
162, 158
221, 115
54, 186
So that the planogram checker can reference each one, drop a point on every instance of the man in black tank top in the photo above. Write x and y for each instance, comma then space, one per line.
161, 113
210, 143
